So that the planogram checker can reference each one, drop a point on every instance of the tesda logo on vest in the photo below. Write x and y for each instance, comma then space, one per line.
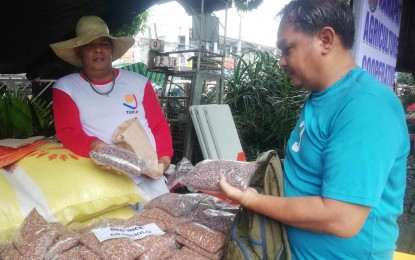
131, 103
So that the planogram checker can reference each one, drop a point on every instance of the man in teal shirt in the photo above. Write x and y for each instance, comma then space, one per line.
345, 166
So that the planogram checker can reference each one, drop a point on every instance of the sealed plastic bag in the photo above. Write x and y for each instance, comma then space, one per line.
119, 159
34, 236
130, 135
205, 174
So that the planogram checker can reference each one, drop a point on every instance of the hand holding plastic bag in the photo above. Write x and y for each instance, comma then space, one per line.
131, 136
119, 159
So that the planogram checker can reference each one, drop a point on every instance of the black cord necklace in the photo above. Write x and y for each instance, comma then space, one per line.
96, 90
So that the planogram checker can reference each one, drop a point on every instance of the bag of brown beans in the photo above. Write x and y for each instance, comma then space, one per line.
173, 203
218, 220
169, 220
34, 236
181, 168
180, 254
119, 159
155, 246
202, 236
205, 175
65, 240
192, 247
9, 252
137, 220
72, 254
118, 248
87, 253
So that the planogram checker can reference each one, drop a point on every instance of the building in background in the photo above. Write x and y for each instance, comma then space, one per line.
179, 34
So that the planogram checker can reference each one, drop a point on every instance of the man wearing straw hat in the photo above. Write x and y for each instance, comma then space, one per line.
89, 105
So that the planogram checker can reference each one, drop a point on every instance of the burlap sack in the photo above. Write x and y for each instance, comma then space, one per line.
131, 135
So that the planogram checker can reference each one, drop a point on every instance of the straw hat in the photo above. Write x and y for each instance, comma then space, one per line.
88, 29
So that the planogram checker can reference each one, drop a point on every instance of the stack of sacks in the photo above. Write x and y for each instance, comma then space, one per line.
179, 218
201, 223
181, 237
38, 239
62, 186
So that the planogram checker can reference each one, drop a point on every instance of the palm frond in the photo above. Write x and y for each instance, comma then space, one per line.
17, 119
264, 104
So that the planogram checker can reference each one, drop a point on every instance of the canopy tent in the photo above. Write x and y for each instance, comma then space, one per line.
406, 47
28, 27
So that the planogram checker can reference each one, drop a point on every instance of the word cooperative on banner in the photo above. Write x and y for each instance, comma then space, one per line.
377, 38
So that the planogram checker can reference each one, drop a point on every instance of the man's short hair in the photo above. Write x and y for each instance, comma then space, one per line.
310, 16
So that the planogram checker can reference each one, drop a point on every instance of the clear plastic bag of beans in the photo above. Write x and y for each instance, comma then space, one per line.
218, 220
9, 252
72, 254
119, 248
180, 169
205, 174
66, 240
180, 254
193, 248
119, 159
122, 248
155, 246
137, 220
91, 242
3, 246
34, 236
202, 236
87, 253
169, 220
203, 198
173, 203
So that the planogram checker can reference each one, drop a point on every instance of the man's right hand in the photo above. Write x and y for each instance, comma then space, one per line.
243, 197
97, 145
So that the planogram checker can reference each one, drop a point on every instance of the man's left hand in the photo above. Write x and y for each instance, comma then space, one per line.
165, 161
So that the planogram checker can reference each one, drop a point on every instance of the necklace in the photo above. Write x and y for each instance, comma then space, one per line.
96, 90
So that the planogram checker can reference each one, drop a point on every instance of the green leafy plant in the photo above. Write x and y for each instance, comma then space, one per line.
137, 25
405, 78
264, 104
21, 117
247, 5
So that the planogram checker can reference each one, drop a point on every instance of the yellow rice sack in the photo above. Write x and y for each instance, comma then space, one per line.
61, 186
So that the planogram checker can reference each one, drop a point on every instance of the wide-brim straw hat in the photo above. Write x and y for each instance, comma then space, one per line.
88, 29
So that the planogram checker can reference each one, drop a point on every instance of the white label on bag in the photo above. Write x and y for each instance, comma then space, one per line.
133, 232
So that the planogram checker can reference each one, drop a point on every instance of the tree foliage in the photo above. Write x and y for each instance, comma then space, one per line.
138, 24
405, 78
264, 104
23, 117
247, 5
